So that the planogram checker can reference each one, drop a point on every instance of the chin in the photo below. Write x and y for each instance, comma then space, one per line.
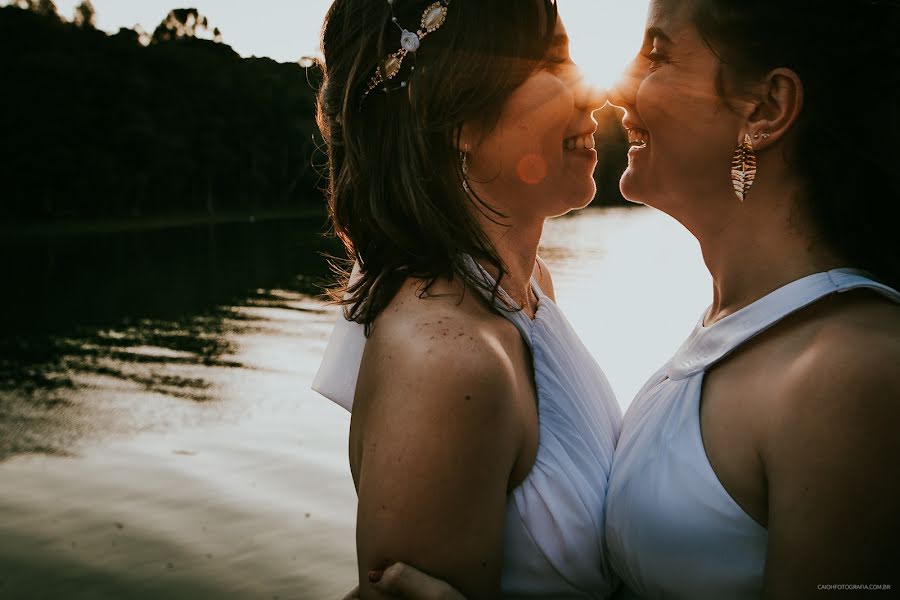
572, 199
585, 200
573, 203
631, 189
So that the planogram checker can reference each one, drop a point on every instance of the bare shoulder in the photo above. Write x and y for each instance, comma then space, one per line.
544, 278
444, 328
851, 363
839, 400
434, 439
442, 356
832, 451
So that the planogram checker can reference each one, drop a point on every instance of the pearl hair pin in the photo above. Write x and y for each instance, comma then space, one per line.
432, 18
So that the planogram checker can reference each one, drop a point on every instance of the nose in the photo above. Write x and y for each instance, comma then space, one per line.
624, 92
590, 97
587, 96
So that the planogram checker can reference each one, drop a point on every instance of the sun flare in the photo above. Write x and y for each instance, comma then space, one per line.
604, 35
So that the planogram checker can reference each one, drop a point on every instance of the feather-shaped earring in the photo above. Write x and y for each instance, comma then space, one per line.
743, 168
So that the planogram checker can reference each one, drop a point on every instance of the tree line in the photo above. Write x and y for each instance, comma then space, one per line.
134, 124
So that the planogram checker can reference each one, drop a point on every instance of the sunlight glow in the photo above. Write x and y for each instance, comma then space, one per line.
605, 34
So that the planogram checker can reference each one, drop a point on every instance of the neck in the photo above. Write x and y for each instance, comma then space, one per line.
517, 245
760, 248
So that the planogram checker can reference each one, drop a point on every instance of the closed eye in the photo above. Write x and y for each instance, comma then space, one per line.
555, 61
655, 59
559, 65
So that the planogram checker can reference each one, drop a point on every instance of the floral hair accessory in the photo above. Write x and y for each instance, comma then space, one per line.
432, 18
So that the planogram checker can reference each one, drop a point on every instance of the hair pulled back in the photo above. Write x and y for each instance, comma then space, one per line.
395, 190
845, 144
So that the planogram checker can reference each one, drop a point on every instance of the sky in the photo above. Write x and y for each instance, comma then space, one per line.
605, 34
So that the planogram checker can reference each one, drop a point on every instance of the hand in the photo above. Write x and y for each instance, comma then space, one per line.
403, 581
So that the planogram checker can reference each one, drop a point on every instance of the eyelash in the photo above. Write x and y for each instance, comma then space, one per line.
556, 63
655, 58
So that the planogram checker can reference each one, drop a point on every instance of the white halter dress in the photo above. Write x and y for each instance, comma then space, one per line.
554, 524
672, 529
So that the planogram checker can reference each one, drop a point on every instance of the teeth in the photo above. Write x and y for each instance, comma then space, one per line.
636, 136
579, 142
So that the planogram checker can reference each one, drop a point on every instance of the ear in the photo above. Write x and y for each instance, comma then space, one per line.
467, 137
778, 107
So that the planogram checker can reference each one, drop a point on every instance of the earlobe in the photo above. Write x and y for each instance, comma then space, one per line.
468, 136
779, 107
463, 145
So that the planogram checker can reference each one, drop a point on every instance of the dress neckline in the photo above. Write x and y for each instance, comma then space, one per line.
760, 304
708, 345
517, 314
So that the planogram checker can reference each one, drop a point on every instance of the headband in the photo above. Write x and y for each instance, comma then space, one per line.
432, 19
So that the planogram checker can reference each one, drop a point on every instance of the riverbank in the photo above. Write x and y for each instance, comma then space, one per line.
20, 231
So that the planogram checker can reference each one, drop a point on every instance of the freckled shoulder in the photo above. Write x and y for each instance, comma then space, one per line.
435, 438
441, 341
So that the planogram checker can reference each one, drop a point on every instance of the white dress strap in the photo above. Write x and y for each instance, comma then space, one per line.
708, 345
339, 370
517, 316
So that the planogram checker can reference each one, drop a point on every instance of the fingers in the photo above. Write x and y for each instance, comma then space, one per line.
352, 595
409, 583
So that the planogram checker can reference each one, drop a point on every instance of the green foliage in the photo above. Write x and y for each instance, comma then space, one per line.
98, 125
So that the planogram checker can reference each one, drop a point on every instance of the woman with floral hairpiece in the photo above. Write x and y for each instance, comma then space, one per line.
454, 130
761, 461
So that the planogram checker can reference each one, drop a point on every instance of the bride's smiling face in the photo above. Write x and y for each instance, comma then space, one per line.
682, 133
538, 160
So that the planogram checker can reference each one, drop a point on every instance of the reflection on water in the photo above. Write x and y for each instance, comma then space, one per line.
158, 437
150, 312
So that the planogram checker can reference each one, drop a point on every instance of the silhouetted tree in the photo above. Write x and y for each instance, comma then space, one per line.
144, 38
99, 125
84, 15
181, 23
46, 8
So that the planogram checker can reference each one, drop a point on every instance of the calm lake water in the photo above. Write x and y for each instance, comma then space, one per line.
158, 437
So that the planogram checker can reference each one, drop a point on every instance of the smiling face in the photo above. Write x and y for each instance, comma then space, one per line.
682, 133
539, 159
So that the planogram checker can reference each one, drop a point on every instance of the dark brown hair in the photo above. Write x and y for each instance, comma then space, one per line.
395, 190
845, 144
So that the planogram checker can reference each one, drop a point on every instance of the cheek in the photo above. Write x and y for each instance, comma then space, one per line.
690, 129
531, 168
533, 145
524, 152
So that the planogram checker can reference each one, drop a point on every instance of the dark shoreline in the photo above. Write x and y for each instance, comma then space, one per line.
30, 230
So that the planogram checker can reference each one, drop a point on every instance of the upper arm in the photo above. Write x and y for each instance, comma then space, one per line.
544, 279
832, 466
438, 446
